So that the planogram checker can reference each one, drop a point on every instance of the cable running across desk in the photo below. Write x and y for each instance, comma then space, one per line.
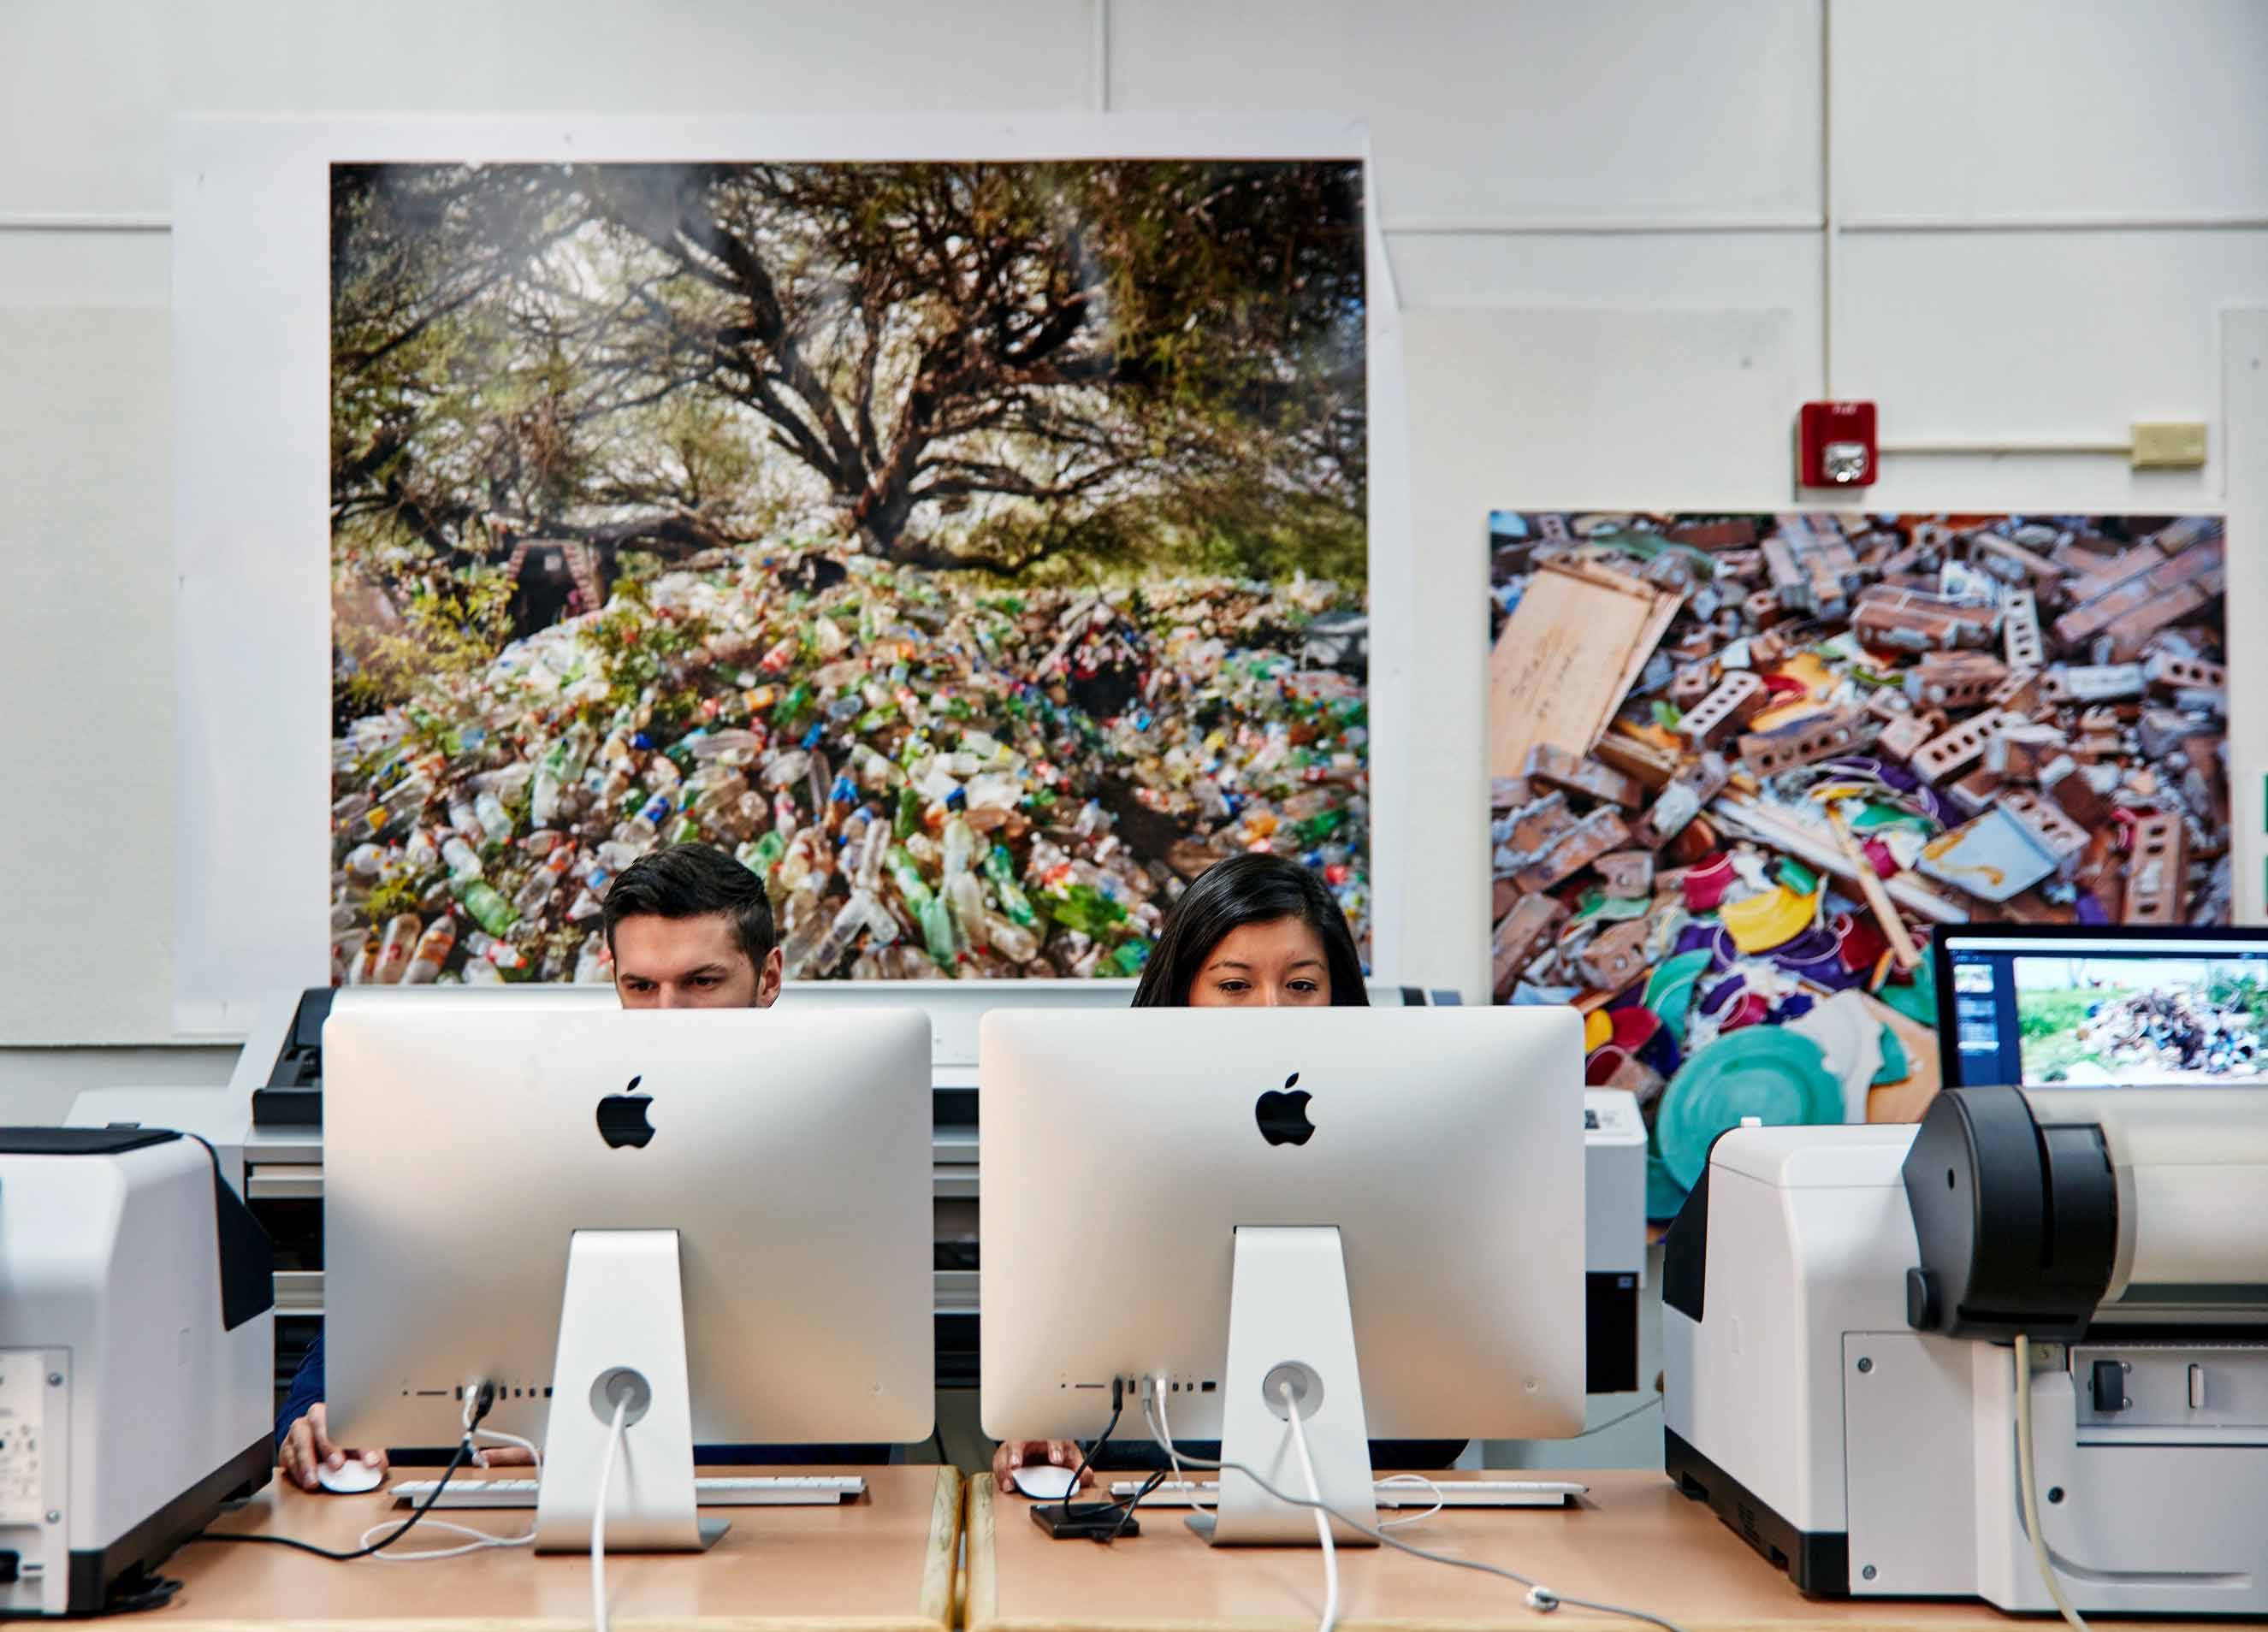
478, 1402
1539, 1597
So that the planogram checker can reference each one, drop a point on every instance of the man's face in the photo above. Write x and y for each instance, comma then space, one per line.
690, 963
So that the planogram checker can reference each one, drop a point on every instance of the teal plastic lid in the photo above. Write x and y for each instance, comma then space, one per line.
1760, 1070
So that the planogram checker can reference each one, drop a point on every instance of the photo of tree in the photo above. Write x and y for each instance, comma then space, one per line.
977, 550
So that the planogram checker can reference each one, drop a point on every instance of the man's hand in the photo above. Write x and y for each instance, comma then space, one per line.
307, 1447
503, 1456
1011, 1454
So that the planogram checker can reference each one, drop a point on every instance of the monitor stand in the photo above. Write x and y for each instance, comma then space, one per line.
1289, 1320
622, 1336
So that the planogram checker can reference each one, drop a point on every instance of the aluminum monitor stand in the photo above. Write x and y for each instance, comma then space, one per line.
1289, 1320
622, 1336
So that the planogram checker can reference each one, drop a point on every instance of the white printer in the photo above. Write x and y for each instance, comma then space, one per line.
137, 1360
1839, 1307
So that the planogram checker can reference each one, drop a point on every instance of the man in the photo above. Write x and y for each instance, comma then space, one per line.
690, 928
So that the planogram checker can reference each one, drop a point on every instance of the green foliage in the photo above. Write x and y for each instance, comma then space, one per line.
453, 623
1077, 371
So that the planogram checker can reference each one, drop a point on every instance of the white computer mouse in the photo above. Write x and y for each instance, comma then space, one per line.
351, 1477
1044, 1481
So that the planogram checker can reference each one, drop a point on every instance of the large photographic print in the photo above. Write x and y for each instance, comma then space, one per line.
976, 550
1743, 766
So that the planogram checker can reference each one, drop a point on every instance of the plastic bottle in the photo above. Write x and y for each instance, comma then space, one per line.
394, 949
364, 862
484, 904
593, 961
846, 928
964, 898
544, 880
786, 767
761, 857
459, 857
936, 921
432, 953
1013, 942
501, 954
543, 797
959, 846
495, 823
1000, 867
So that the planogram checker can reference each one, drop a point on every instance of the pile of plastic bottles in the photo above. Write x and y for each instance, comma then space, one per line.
934, 777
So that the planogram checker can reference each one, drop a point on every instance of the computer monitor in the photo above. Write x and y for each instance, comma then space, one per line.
733, 1203
1231, 1198
2089, 1007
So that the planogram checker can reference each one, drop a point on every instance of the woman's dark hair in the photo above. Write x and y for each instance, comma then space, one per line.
1245, 889
691, 881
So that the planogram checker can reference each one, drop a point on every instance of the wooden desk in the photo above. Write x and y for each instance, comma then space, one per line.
1635, 1542
884, 1564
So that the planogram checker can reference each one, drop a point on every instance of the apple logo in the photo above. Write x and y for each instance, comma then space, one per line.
1283, 1117
622, 1119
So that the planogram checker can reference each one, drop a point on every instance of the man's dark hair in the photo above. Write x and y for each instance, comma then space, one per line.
1251, 888
691, 881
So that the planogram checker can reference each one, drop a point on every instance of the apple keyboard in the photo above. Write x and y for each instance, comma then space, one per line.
1401, 1493
763, 1490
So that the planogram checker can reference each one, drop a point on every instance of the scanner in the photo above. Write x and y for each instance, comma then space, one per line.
1840, 1307
136, 1344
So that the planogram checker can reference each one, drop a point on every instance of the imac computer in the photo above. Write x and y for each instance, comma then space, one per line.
1380, 1208
714, 1222
2085, 1006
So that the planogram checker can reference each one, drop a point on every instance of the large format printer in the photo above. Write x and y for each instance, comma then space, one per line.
134, 1335
1841, 1307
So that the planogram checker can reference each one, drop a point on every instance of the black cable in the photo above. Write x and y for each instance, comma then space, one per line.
483, 1401
1117, 1406
1135, 1500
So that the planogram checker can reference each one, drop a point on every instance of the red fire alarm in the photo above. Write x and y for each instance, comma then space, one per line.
1835, 444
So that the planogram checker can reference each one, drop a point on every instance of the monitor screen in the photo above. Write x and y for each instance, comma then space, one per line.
2104, 1007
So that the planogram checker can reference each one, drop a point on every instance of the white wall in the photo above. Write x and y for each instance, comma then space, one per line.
1609, 223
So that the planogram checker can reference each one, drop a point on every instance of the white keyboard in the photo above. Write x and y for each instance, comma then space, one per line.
822, 1490
1453, 1493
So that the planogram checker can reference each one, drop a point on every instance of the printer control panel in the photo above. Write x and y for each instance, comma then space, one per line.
34, 1418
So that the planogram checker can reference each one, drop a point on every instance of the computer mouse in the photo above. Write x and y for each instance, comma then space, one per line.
351, 1477
1043, 1480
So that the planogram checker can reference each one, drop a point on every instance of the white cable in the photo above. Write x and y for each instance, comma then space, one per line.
598, 1515
481, 1541
1162, 1428
2028, 1482
1322, 1519
1441, 1501
476, 1541
1539, 1597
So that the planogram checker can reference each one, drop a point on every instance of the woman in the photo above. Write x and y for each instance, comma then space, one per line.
1255, 931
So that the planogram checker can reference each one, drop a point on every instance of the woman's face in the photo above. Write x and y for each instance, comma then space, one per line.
1280, 963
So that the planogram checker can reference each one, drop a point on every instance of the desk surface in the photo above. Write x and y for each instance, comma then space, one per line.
1635, 1542
884, 1564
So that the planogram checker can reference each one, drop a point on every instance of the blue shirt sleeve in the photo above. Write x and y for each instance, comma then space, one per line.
306, 1390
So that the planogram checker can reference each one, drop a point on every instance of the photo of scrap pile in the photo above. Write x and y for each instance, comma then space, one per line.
2094, 1022
976, 551
1742, 766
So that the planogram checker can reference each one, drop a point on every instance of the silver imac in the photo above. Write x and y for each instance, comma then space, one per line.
1382, 1209
718, 1216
